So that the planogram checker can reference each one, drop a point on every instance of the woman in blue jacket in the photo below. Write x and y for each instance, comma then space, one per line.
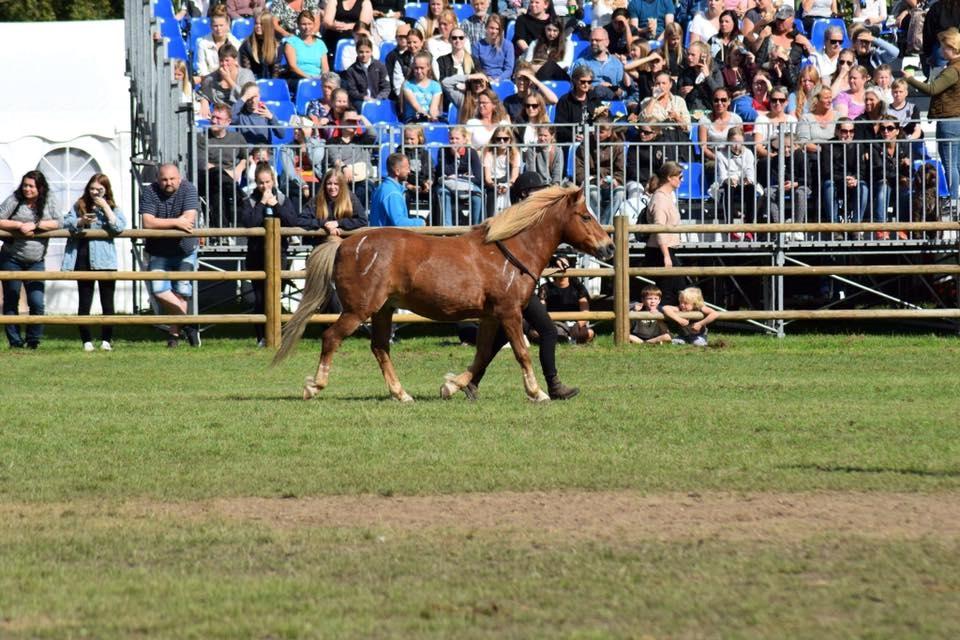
95, 210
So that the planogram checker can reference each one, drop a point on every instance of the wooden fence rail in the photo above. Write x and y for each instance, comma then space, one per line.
621, 272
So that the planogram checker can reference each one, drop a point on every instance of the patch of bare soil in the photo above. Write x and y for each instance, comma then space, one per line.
578, 515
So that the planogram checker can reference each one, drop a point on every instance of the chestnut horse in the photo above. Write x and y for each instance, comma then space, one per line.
488, 273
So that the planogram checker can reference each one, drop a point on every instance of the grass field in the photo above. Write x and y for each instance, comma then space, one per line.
807, 487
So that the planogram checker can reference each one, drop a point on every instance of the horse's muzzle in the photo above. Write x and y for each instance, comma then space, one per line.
605, 252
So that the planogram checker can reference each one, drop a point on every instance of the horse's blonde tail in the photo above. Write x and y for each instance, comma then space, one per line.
316, 292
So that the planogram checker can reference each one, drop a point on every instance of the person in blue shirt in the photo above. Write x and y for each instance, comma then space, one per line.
642, 12
493, 53
608, 76
388, 204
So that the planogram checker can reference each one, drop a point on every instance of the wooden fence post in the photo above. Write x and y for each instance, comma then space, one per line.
621, 281
271, 288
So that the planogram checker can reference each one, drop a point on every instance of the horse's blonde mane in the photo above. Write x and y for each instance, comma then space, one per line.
525, 214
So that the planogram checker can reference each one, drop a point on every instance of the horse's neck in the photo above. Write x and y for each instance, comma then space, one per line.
534, 246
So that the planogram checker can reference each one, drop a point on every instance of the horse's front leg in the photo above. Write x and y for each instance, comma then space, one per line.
513, 327
481, 359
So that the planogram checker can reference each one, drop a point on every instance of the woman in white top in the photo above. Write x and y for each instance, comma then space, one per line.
440, 44
819, 124
872, 13
769, 125
706, 25
490, 115
208, 60
716, 123
501, 168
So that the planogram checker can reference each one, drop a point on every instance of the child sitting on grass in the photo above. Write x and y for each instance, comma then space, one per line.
649, 331
695, 333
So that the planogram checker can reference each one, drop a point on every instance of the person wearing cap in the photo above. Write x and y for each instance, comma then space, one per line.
535, 313
783, 36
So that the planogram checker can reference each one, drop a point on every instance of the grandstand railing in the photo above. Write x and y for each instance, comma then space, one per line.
621, 272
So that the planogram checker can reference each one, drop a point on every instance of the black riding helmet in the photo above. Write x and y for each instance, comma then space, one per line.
527, 183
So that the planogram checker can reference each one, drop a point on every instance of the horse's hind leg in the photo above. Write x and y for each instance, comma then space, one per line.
481, 359
513, 327
380, 325
345, 325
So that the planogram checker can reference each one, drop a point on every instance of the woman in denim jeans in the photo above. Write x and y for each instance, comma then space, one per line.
30, 209
97, 210
460, 176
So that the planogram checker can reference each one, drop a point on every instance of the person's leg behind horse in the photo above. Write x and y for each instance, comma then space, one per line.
489, 333
380, 346
536, 314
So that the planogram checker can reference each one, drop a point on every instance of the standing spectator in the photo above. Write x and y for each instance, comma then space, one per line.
221, 159
286, 14
208, 46
96, 209
422, 94
662, 209
306, 53
551, 55
460, 174
339, 19
495, 55
171, 203
651, 17
252, 119
607, 71
476, 25
945, 106
30, 209
388, 206
260, 52
366, 79
226, 83
940, 17
577, 107
266, 201
530, 25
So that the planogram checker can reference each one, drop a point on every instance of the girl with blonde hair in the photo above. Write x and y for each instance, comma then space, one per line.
501, 168
260, 52
336, 206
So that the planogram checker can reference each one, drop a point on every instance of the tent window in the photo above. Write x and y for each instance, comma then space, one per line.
8, 184
68, 170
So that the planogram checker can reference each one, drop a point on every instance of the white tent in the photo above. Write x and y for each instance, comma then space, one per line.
66, 106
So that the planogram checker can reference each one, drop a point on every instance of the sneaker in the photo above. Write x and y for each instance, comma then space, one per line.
679, 341
88, 346
173, 341
902, 235
261, 343
699, 341
882, 235
33, 345
105, 346
192, 335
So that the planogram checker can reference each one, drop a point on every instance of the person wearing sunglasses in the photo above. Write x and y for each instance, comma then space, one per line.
527, 84
793, 180
769, 125
577, 107
842, 170
826, 61
716, 124
533, 118
889, 173
872, 52
840, 80
458, 62
501, 168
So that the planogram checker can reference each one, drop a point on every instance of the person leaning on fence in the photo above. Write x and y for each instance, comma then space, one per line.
546, 157
171, 203
459, 176
690, 331
649, 331
30, 209
94, 210
388, 204
266, 201
662, 210
336, 208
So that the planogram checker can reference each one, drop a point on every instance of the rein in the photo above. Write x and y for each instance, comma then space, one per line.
515, 261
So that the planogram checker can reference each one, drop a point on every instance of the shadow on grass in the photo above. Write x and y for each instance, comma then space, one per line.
927, 473
320, 398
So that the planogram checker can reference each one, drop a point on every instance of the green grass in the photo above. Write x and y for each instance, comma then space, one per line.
81, 435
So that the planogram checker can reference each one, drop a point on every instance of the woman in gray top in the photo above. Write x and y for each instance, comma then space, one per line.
29, 210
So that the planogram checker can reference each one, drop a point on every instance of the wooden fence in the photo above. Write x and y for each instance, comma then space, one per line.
621, 273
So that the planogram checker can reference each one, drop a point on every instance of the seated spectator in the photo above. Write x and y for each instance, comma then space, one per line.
802, 100
840, 80
339, 106
224, 85
735, 188
266, 200
429, 24
286, 13
726, 39
872, 52
318, 110
244, 8
768, 126
562, 293
527, 85
609, 81
493, 54
871, 13
546, 158
706, 25
298, 160
501, 168
350, 152
476, 25
817, 126
842, 173
207, 54
260, 52
605, 189
738, 70
388, 15
889, 173
458, 62
551, 55
883, 80
306, 53
642, 162
530, 25
388, 206
420, 178
905, 111
533, 119
577, 107
489, 115
672, 50
849, 103
181, 76
620, 33
460, 174
252, 119
398, 61
716, 124
651, 17
786, 44
699, 79
826, 61
690, 332
439, 44
666, 109
463, 91
874, 108
422, 95
348, 52
337, 208
792, 181
649, 331
221, 158
339, 22
367, 79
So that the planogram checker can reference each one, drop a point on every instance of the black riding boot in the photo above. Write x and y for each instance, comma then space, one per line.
560, 391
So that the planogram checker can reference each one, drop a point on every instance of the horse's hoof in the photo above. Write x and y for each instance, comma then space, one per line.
540, 397
404, 397
448, 390
309, 388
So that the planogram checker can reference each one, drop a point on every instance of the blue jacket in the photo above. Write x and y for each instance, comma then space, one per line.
388, 206
496, 63
103, 253
610, 70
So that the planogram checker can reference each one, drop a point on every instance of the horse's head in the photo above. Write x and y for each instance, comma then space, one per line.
582, 231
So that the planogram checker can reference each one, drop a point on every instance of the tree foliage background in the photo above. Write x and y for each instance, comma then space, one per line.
44, 10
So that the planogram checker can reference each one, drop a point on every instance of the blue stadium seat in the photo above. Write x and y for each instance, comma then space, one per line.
452, 114
274, 91
571, 169
379, 111
580, 48
436, 133
618, 108
163, 9
307, 90
199, 27
385, 49
588, 13
559, 87
511, 29
552, 112
241, 28
176, 47
434, 148
415, 10
284, 110
691, 186
819, 28
504, 89
338, 56
463, 11
695, 137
